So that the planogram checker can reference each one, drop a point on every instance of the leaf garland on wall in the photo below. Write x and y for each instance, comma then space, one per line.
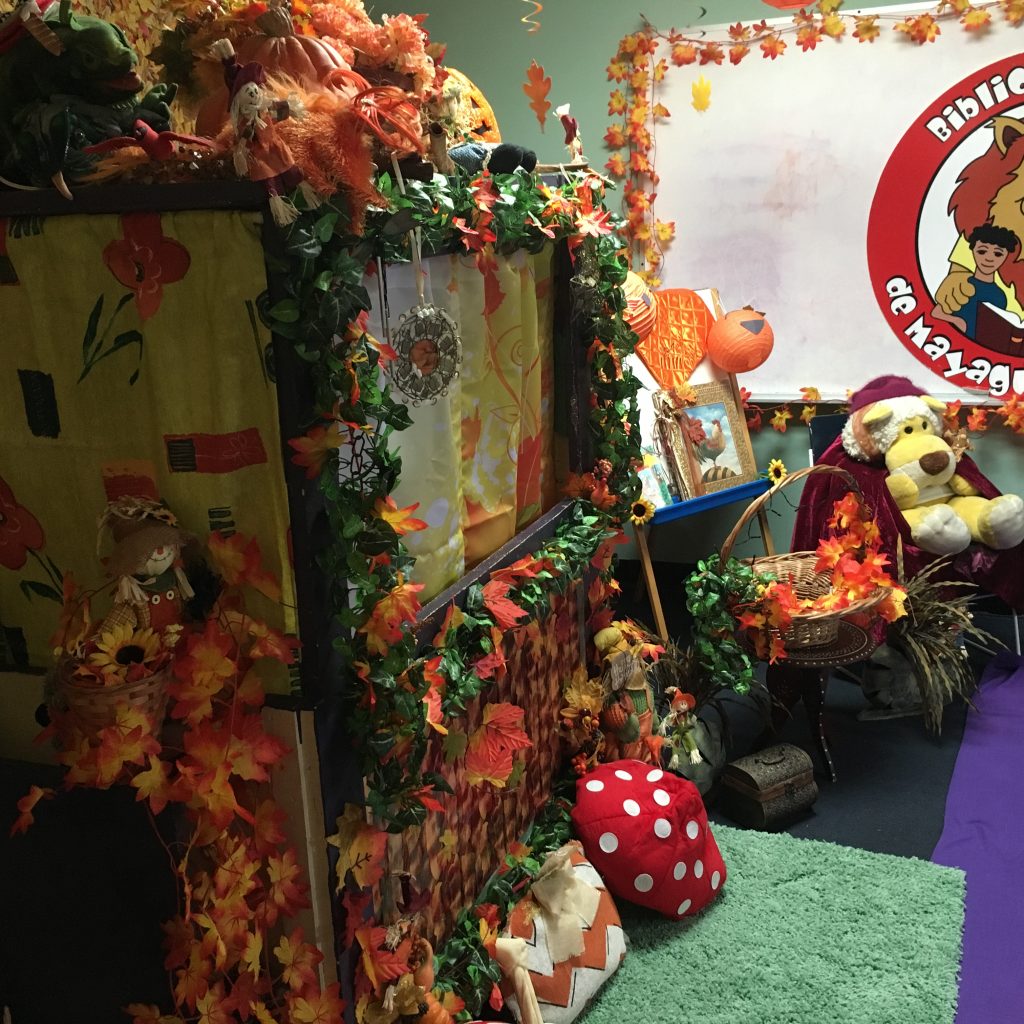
643, 59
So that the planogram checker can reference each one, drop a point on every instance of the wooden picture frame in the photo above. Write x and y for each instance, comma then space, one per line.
706, 441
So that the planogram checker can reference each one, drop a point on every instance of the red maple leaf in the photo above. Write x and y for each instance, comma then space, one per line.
505, 611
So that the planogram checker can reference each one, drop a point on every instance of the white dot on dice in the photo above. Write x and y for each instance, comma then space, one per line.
692, 829
662, 798
679, 871
609, 842
663, 828
643, 883
625, 776
631, 807
595, 785
698, 869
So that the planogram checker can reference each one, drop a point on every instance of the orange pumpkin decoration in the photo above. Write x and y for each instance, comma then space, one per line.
741, 341
483, 125
276, 46
435, 1013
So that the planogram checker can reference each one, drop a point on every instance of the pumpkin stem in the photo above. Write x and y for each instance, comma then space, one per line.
277, 22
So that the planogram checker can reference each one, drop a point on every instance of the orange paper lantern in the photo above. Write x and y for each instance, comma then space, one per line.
674, 349
741, 341
641, 312
482, 124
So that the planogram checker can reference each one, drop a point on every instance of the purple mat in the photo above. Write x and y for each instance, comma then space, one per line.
983, 835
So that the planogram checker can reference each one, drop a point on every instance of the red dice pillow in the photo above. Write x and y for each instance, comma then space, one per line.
646, 832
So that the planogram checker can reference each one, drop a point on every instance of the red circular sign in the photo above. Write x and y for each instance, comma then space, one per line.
946, 233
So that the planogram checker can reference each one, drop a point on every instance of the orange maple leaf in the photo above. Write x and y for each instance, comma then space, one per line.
143, 1013
711, 53
384, 626
491, 745
616, 165
286, 893
210, 1006
977, 420
808, 37
830, 551
268, 830
26, 805
379, 963
772, 47
155, 785
299, 960
867, 30
739, 32
505, 611
921, 29
361, 848
537, 87
239, 561
201, 673
453, 618
432, 698
684, 53
325, 1007
738, 52
193, 979
251, 750
808, 413
780, 418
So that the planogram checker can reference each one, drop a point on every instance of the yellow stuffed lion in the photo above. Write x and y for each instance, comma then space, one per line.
945, 512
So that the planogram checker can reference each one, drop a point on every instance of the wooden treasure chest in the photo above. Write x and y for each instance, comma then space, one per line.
769, 789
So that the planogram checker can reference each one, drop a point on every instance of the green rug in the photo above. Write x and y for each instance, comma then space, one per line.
804, 933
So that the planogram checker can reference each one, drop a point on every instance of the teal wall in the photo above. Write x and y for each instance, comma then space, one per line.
576, 41
487, 41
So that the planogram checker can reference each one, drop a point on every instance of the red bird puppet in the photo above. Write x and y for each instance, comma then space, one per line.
158, 146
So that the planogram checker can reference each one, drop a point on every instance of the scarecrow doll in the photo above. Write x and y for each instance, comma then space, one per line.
151, 587
259, 154
628, 719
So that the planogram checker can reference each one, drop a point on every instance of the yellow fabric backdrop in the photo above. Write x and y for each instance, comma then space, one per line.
198, 425
480, 460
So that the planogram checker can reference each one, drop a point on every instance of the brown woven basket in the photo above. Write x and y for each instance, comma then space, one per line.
93, 708
810, 628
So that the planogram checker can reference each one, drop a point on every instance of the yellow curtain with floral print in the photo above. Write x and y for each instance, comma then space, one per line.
479, 461
134, 361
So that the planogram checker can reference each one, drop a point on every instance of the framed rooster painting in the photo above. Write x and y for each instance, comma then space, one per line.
704, 434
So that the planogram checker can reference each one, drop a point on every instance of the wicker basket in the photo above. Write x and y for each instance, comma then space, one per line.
810, 628
93, 708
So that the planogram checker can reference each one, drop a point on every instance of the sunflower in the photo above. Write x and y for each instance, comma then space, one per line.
640, 511
121, 648
776, 471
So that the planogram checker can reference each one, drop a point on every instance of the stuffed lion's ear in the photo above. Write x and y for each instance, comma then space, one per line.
934, 404
879, 413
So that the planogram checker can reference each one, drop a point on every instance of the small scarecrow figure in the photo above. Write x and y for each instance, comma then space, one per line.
679, 726
628, 719
258, 153
146, 564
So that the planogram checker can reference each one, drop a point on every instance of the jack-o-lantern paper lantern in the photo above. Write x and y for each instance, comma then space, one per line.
740, 341
474, 110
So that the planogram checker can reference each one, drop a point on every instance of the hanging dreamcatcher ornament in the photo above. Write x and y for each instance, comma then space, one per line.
427, 343
429, 353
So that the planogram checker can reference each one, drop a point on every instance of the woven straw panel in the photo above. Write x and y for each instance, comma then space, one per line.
486, 820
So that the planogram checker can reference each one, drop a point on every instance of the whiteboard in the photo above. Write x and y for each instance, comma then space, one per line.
771, 188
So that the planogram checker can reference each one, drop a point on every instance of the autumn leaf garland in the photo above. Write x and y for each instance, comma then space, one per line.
643, 58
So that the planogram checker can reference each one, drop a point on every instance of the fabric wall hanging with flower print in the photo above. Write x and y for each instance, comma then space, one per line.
480, 461
134, 362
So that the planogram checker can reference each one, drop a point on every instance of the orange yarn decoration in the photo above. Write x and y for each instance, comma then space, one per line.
673, 350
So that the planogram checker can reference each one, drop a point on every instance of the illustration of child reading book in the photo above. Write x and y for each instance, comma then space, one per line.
984, 317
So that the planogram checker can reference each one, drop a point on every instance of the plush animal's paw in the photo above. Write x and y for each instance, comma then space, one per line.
941, 531
1001, 524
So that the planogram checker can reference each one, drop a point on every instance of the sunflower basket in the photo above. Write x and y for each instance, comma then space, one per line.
811, 627
111, 672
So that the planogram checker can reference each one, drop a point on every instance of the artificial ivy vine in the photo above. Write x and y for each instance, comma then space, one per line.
389, 690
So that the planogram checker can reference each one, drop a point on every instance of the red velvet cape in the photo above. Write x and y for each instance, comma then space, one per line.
996, 572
